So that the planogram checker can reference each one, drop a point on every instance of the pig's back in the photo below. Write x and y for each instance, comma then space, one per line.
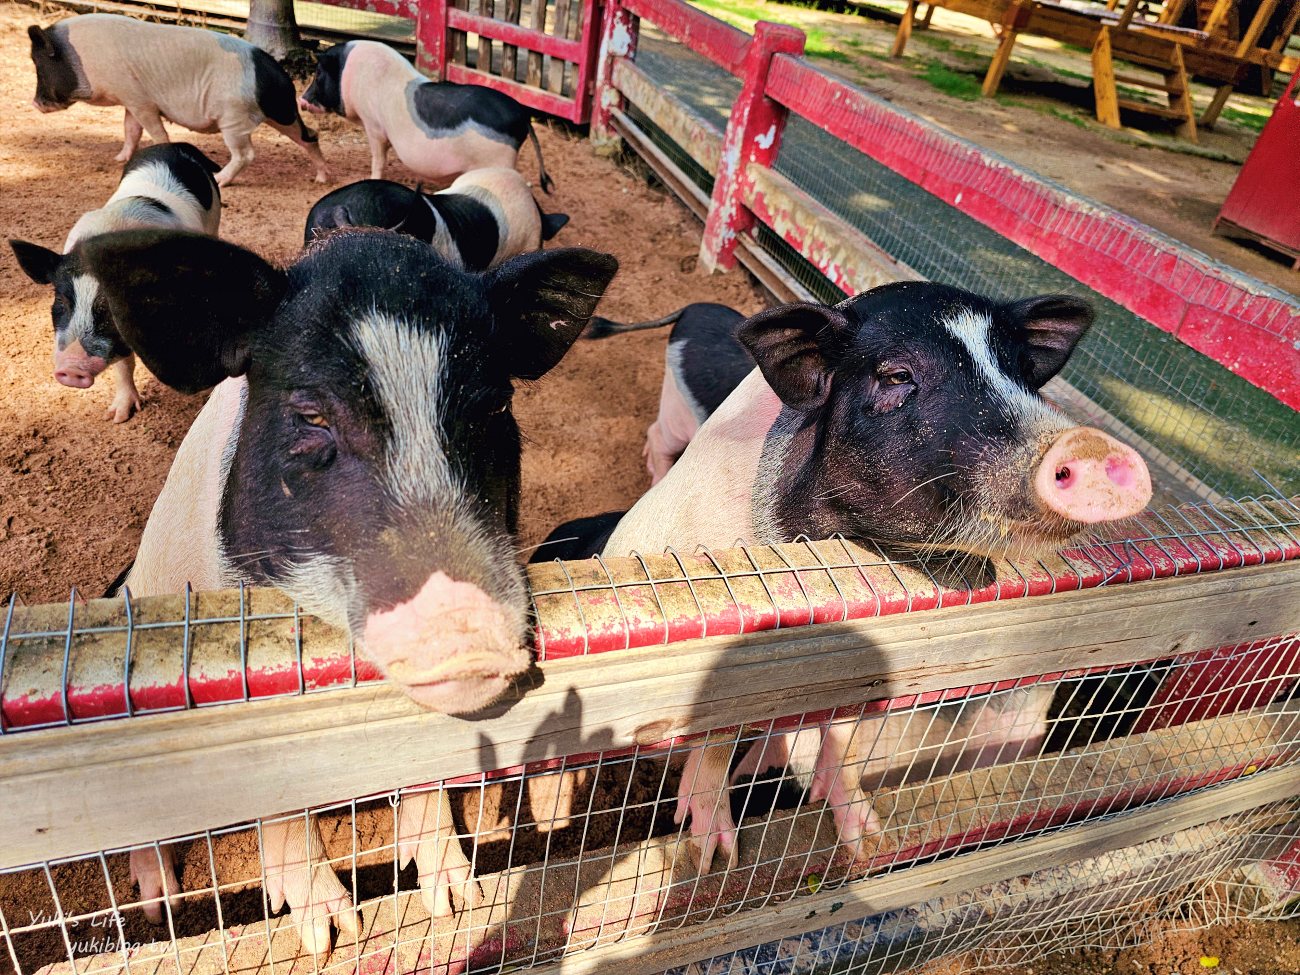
192, 76
707, 497
180, 542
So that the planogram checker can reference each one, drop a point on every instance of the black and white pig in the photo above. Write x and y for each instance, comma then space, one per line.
438, 129
360, 454
908, 415
166, 186
485, 217
199, 79
703, 363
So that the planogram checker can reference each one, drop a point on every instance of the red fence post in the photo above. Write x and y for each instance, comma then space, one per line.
431, 38
753, 135
618, 36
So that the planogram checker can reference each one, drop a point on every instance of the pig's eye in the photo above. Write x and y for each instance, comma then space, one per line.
314, 420
895, 377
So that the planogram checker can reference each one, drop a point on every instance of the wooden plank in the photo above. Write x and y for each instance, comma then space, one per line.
664, 950
483, 62
510, 52
208, 768
849, 258
555, 80
1103, 81
524, 37
694, 134
534, 74
720, 43
543, 101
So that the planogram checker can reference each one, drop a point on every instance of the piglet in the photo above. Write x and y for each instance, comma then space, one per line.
485, 217
910, 416
358, 453
199, 79
703, 363
438, 129
166, 186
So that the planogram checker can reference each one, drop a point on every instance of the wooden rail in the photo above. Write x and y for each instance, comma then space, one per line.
206, 768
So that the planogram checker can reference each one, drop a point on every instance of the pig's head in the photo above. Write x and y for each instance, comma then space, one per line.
325, 93
86, 339
60, 80
912, 416
375, 474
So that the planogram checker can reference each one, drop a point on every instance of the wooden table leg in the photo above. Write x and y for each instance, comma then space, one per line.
904, 29
1103, 80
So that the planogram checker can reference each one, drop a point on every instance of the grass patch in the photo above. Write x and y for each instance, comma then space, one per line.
1065, 116
1248, 120
744, 14
951, 82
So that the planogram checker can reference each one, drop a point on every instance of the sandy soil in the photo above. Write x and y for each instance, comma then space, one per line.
75, 491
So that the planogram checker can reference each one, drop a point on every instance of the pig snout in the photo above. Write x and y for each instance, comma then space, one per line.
73, 367
1090, 477
307, 106
453, 647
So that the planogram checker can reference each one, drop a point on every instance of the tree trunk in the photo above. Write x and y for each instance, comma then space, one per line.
273, 27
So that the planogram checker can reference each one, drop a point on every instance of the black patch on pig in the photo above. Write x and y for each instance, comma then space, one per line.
157, 206
59, 75
378, 203
552, 223
711, 362
326, 88
441, 108
276, 96
578, 539
471, 225
191, 168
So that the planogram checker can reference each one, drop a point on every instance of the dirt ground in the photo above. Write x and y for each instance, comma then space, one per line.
75, 491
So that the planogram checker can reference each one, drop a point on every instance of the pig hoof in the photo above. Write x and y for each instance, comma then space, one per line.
123, 408
122, 156
711, 829
154, 872
427, 836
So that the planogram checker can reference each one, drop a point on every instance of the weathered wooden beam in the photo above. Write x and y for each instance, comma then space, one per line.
81, 786
695, 135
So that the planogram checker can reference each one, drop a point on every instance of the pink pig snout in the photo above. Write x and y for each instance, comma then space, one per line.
451, 646
1090, 477
307, 106
72, 367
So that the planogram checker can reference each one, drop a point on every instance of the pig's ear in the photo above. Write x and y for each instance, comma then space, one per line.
542, 301
1050, 326
38, 263
40, 42
797, 348
185, 303
552, 224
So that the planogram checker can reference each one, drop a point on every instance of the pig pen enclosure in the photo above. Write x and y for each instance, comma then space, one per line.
1167, 785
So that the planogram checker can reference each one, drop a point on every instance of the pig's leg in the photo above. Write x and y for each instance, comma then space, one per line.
379, 145
771, 752
298, 133
551, 798
154, 869
1005, 727
132, 130
673, 429
292, 852
838, 780
426, 833
241, 154
703, 796
127, 398
148, 117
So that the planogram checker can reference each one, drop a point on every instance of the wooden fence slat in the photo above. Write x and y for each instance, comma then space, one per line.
484, 61
534, 75
510, 52
534, 41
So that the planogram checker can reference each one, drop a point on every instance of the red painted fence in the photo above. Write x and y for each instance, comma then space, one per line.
1244, 325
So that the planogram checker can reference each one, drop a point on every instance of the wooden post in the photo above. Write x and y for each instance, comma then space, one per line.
1013, 21
618, 37
905, 29
753, 136
431, 38
1103, 80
